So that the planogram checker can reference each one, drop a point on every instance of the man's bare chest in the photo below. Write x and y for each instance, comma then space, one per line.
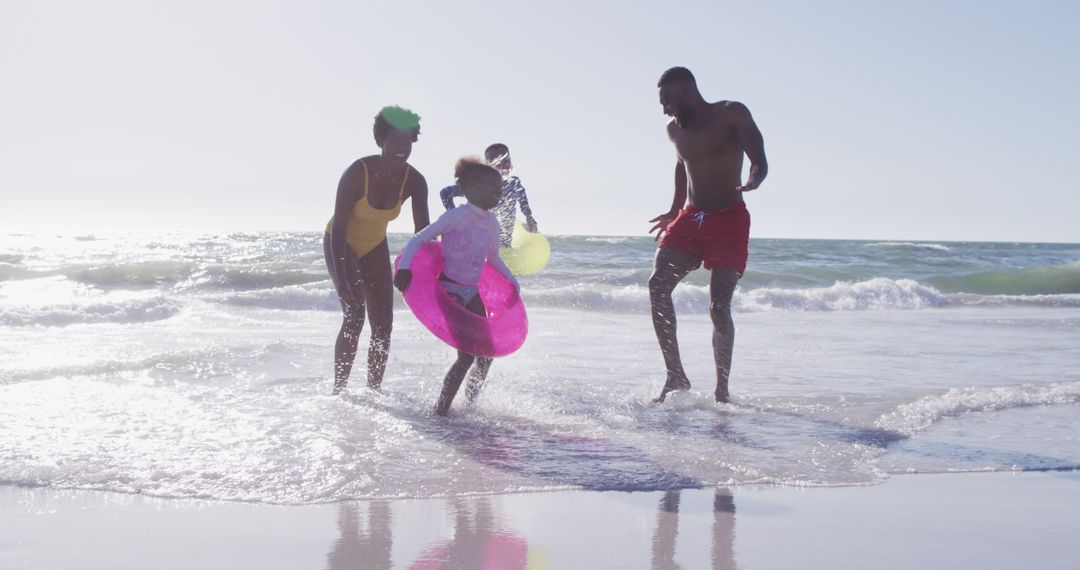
712, 141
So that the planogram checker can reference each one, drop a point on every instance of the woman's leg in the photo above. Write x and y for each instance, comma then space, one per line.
378, 286
352, 318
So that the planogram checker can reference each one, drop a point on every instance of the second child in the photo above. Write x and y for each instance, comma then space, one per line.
470, 236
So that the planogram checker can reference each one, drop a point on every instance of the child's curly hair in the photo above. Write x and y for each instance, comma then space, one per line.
470, 167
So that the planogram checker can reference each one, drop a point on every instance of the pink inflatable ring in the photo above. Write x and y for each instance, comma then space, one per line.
502, 332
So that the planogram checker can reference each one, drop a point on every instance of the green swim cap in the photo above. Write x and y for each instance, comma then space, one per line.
400, 118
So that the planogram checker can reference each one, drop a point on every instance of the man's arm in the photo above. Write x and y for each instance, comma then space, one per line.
448, 194
421, 217
753, 145
677, 203
500, 265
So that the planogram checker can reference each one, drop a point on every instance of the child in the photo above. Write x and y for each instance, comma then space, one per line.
470, 235
513, 194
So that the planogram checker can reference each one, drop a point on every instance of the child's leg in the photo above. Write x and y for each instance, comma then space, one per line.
477, 377
480, 369
453, 381
457, 372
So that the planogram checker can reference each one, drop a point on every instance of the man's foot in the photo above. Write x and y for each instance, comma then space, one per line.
674, 382
722, 397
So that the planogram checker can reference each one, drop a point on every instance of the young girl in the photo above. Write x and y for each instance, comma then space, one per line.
470, 236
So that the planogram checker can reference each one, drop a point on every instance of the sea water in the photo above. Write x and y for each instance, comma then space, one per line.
200, 365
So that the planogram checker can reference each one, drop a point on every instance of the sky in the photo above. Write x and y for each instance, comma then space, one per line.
882, 120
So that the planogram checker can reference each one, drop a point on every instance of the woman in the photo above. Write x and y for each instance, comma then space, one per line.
370, 195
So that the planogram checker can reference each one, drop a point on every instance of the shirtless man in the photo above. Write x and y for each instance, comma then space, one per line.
710, 140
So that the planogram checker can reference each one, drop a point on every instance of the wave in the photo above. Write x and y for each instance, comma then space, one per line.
916, 416
910, 245
246, 278
131, 310
1049, 280
191, 275
138, 273
969, 299
293, 298
11, 272
625, 299
878, 293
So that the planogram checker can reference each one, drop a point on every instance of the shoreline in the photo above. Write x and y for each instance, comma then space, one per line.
749, 486
988, 520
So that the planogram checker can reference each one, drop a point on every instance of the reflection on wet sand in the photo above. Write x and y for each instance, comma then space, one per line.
480, 540
667, 531
367, 548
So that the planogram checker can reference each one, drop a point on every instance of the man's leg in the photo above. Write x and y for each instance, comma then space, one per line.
721, 289
671, 266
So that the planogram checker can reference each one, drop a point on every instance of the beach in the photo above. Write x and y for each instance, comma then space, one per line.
975, 520
166, 402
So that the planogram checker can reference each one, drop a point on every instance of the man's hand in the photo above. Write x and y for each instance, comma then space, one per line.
402, 279
754, 180
751, 184
530, 224
662, 221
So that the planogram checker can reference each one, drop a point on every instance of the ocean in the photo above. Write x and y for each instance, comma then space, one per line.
199, 365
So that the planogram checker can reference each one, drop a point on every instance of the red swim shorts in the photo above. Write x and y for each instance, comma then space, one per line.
720, 238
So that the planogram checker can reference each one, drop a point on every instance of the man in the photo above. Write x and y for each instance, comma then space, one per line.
710, 140
513, 194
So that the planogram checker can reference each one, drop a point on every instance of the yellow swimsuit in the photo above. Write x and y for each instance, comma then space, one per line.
366, 228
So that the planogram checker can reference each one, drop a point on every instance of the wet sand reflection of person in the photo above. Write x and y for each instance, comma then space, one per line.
667, 531
369, 548
477, 542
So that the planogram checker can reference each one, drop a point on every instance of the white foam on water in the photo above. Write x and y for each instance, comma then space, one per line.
909, 244
923, 413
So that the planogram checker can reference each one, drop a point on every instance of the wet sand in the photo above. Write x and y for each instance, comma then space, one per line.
976, 520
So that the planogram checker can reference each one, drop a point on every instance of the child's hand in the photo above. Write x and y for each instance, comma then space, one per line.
402, 279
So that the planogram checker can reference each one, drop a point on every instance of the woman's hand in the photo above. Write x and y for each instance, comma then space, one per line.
402, 279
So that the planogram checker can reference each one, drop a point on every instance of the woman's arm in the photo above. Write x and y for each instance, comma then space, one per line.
349, 189
418, 193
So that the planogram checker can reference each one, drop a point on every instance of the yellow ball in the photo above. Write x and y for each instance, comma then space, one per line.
528, 252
